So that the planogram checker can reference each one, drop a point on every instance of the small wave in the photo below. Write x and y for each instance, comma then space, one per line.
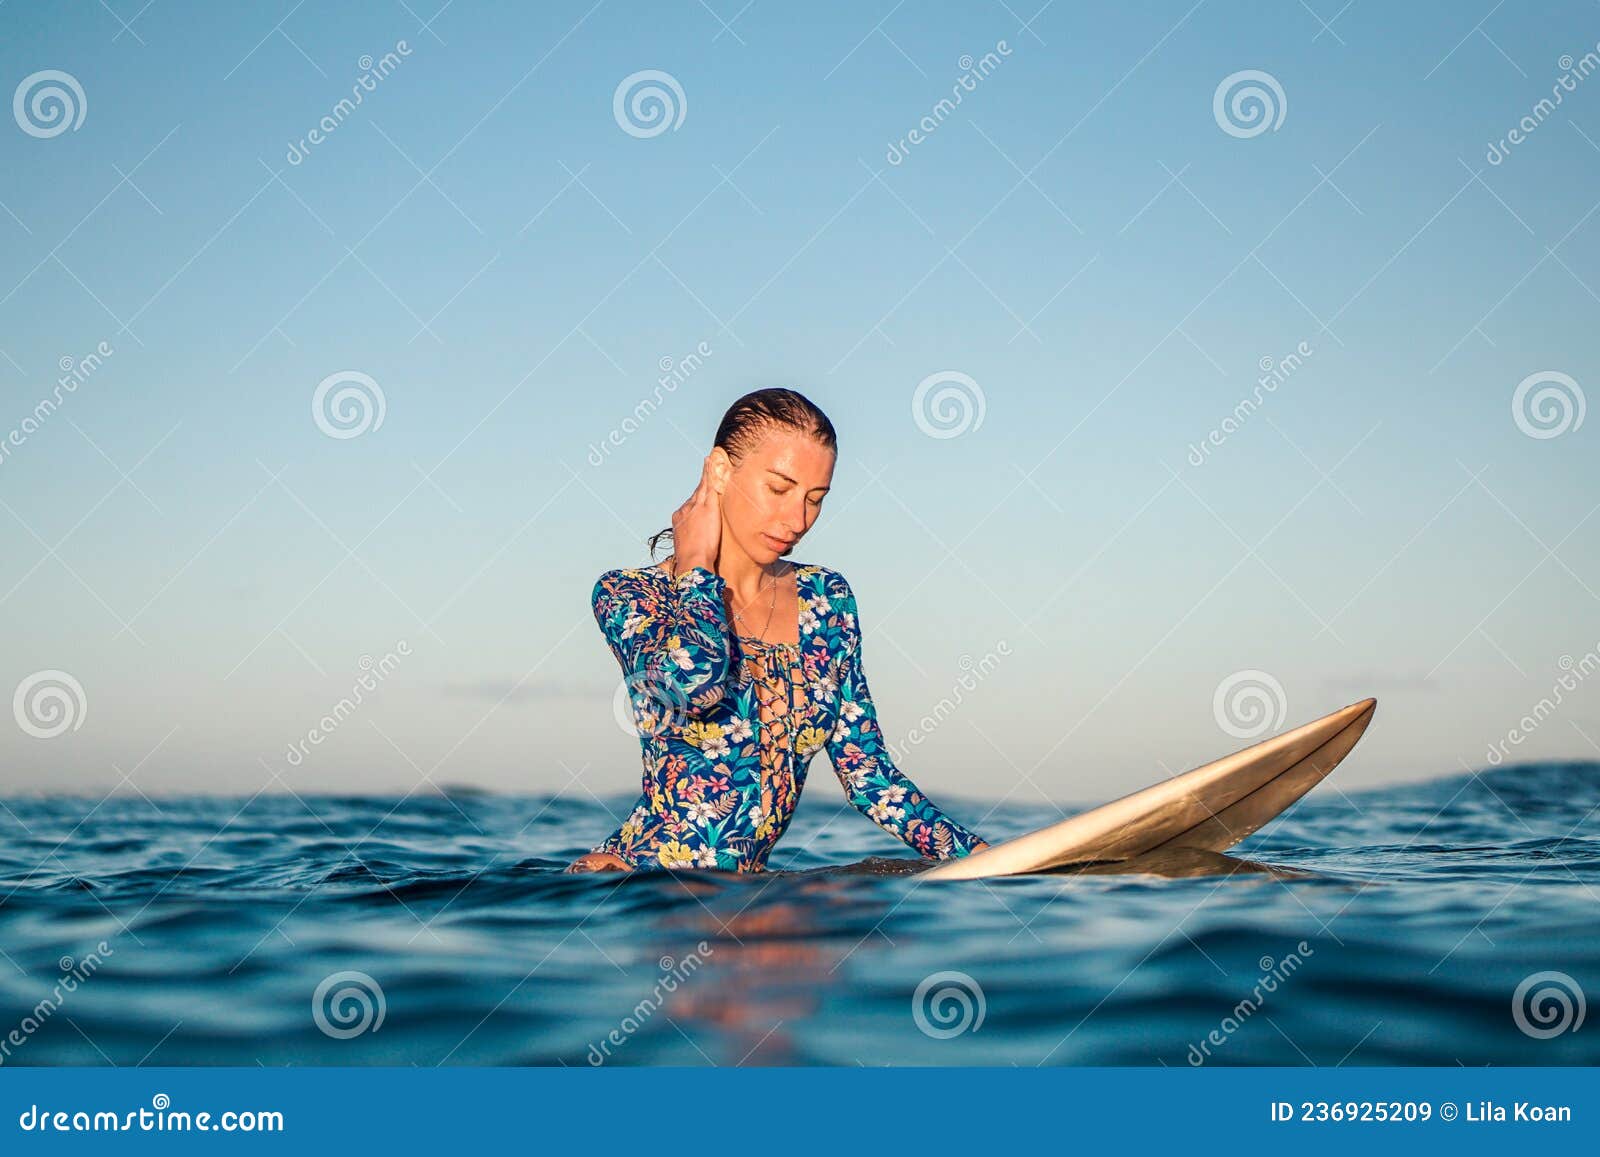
1421, 907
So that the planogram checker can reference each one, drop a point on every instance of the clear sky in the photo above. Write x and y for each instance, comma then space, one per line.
1104, 248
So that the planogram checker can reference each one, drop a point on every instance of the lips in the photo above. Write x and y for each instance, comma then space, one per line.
780, 543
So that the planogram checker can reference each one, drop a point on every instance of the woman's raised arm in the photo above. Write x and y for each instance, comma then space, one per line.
672, 647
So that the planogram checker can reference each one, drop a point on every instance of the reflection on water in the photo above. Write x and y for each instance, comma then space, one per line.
1180, 863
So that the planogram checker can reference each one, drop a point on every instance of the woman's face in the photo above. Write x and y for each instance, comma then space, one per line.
775, 493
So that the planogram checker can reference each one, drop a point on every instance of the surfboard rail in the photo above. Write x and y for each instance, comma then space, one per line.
1208, 808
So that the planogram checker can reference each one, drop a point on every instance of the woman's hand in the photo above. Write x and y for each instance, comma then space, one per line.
697, 524
598, 862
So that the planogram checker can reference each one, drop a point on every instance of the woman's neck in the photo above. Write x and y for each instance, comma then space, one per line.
745, 577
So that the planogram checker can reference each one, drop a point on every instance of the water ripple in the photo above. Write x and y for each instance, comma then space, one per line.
1374, 927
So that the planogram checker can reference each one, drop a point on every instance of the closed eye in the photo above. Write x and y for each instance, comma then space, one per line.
776, 490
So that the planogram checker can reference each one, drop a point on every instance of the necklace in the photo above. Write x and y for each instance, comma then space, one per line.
738, 615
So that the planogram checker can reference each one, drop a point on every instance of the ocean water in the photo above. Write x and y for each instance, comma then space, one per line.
1394, 926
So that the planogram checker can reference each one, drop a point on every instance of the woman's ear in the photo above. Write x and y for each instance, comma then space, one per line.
721, 467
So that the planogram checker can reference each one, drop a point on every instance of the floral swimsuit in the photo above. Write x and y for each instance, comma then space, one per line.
728, 724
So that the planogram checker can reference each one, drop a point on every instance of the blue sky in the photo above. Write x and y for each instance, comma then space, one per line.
1082, 238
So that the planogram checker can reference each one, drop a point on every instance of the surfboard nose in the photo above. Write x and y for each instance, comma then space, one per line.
1359, 714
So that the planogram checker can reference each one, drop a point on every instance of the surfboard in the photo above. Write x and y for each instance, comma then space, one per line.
1209, 808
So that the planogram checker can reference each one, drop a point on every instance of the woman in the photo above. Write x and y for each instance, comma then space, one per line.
742, 666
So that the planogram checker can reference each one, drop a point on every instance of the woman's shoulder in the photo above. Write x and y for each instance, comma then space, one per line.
828, 610
816, 579
634, 573
812, 580
627, 582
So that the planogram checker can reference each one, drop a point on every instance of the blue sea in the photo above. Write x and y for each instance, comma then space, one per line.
1455, 921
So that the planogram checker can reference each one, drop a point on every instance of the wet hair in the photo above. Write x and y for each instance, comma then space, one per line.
756, 415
